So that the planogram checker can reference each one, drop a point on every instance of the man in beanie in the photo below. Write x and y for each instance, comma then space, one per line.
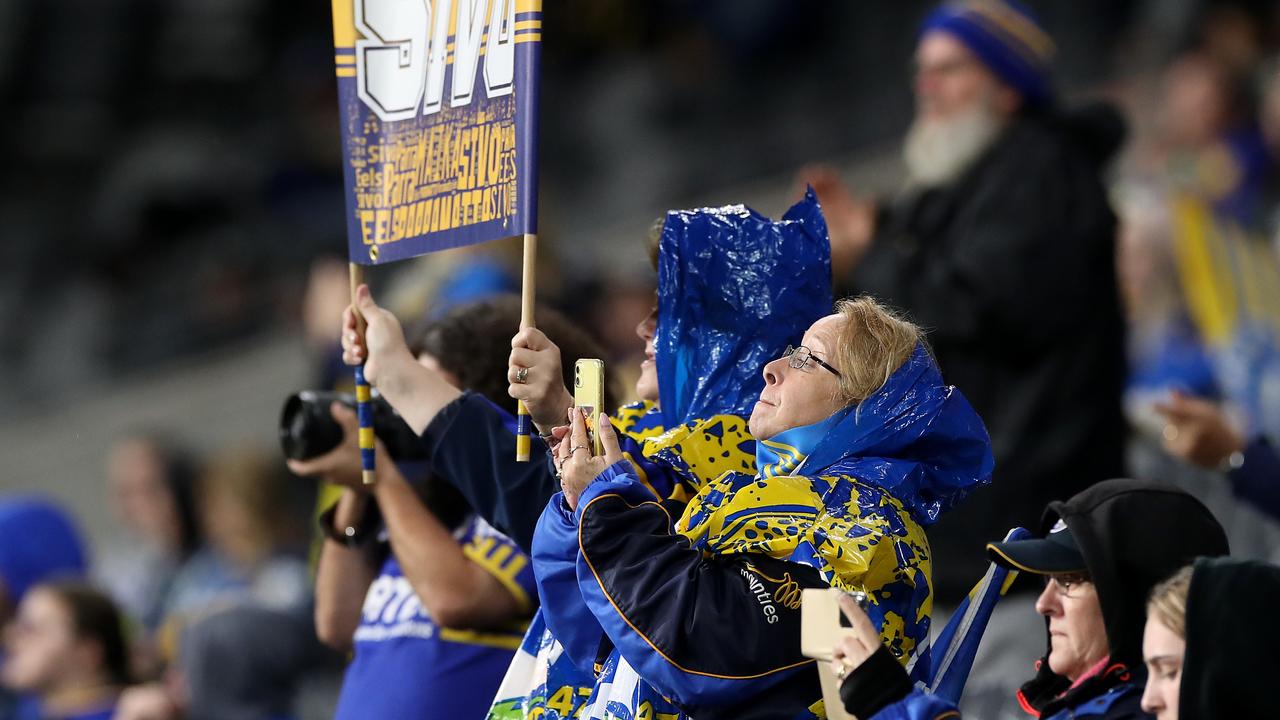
1001, 245
1100, 554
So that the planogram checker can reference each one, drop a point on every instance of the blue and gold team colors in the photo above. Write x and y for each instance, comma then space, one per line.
407, 663
439, 108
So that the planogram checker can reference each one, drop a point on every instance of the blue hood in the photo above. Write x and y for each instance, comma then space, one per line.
734, 288
916, 438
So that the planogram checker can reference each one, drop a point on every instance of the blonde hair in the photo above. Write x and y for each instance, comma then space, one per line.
654, 240
873, 343
1168, 602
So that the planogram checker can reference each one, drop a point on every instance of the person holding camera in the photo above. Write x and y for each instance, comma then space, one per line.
431, 598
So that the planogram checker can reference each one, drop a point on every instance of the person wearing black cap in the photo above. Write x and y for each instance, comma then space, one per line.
1100, 554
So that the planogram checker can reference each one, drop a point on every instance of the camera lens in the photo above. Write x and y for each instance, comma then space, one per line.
306, 427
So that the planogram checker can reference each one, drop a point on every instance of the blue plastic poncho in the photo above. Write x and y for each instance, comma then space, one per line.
916, 438
734, 288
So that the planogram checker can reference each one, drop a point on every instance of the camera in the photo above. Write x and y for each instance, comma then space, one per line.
307, 429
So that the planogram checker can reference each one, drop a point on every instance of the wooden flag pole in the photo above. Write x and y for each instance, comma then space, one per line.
524, 437
364, 409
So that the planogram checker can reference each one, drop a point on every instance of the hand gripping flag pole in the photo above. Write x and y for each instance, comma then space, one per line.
524, 438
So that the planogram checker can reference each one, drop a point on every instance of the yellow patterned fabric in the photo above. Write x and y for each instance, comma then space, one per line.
873, 545
699, 452
639, 420
706, 449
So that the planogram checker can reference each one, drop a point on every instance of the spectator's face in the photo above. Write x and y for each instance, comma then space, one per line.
647, 384
1195, 108
142, 498
1163, 651
1077, 635
40, 645
950, 80
794, 397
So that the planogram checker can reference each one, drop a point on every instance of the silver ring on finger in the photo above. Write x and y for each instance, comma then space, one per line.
522, 375
842, 671
576, 448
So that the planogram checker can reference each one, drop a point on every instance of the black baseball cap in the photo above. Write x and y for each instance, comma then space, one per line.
1055, 554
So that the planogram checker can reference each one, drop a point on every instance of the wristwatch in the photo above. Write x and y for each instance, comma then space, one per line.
352, 536
1234, 461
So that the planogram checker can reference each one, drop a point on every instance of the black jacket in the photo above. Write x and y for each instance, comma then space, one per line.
1232, 636
1133, 534
468, 443
1011, 271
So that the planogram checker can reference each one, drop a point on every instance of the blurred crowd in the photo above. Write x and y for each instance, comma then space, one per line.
1061, 289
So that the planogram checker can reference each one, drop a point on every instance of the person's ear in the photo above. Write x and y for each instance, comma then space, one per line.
1007, 101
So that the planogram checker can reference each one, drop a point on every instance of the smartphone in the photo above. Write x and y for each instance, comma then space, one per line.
588, 394
820, 630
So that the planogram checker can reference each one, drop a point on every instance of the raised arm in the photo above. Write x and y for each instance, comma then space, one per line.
706, 631
344, 571
414, 391
457, 590
343, 575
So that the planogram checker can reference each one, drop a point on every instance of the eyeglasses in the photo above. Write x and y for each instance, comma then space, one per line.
801, 355
1067, 585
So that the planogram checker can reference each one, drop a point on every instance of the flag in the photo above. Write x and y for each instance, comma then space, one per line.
439, 113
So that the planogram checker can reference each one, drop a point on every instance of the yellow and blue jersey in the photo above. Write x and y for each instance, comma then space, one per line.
408, 665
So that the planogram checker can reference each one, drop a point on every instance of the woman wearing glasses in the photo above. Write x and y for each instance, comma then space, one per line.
693, 609
1103, 551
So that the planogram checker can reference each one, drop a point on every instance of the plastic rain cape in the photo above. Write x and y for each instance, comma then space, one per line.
735, 288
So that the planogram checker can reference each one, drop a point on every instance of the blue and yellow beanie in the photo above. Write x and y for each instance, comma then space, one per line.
1007, 39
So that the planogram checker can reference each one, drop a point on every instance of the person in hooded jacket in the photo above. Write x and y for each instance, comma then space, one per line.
1002, 244
1102, 552
695, 607
1210, 637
